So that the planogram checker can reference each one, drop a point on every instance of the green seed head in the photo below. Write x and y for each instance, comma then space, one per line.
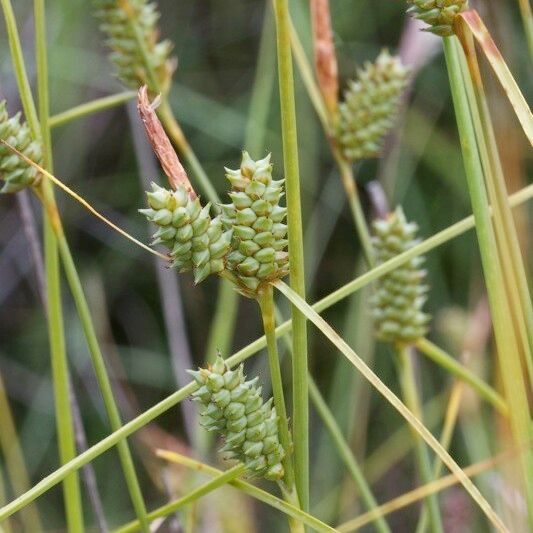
15, 172
397, 304
370, 107
196, 242
439, 14
258, 246
235, 408
132, 35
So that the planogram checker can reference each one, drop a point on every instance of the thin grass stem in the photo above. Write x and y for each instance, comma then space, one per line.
90, 108
446, 361
14, 460
220, 480
345, 453
266, 304
251, 490
412, 402
294, 220
56, 330
506, 340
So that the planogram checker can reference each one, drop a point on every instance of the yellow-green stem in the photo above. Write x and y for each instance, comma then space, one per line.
346, 454
266, 303
89, 108
102, 376
56, 330
14, 460
508, 350
294, 220
412, 401
446, 361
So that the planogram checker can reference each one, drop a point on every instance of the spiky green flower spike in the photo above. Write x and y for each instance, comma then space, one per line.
196, 242
370, 107
439, 14
132, 36
234, 407
15, 172
397, 304
258, 247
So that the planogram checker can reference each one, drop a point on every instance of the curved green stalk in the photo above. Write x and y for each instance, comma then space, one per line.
6, 526
294, 220
446, 361
56, 330
89, 108
14, 461
170, 401
527, 19
412, 402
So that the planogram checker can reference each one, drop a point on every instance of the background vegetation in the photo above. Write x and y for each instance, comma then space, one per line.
106, 159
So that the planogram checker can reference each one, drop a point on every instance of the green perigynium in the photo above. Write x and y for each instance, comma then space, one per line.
439, 14
15, 172
370, 107
234, 407
258, 253
132, 36
195, 240
397, 304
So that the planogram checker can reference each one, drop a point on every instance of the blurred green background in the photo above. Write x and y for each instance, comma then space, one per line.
217, 46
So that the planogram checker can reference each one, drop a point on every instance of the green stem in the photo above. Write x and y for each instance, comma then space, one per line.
410, 396
170, 401
446, 361
266, 303
14, 460
56, 330
6, 525
294, 220
508, 351
350, 187
346, 453
253, 491
170, 508
102, 377
89, 108
506, 234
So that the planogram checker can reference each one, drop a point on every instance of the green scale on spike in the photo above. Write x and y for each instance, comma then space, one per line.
234, 407
14, 171
258, 251
439, 14
118, 18
195, 240
397, 304
370, 107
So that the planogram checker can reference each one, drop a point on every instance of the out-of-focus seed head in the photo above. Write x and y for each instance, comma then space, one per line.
438, 14
398, 301
16, 173
370, 107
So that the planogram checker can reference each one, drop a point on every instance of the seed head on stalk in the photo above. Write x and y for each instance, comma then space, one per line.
439, 14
